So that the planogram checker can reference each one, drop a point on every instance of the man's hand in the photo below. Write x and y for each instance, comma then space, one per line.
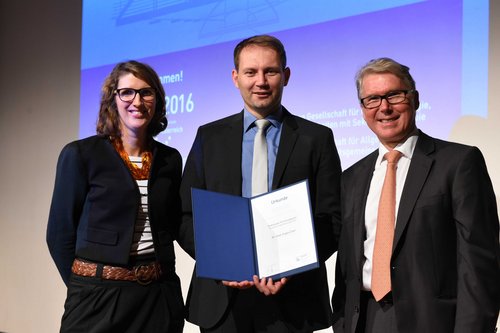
238, 285
267, 286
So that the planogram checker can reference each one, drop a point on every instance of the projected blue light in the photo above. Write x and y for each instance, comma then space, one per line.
190, 45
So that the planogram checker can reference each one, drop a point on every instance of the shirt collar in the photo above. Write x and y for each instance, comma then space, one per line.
406, 148
249, 119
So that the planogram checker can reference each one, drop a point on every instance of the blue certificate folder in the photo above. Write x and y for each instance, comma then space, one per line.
225, 239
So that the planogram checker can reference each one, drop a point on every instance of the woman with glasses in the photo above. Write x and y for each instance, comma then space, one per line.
115, 213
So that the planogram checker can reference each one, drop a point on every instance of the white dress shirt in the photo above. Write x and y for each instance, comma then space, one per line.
371, 209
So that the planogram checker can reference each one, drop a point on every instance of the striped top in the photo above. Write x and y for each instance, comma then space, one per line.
142, 242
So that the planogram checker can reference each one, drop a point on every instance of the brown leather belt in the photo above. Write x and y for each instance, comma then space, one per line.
142, 274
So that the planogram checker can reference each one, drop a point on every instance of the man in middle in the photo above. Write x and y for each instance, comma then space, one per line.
221, 161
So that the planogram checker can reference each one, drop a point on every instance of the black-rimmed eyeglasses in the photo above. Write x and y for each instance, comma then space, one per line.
128, 94
393, 97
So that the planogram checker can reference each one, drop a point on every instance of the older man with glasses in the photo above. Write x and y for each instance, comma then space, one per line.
419, 244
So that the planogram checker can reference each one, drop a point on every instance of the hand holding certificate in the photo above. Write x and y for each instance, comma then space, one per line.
271, 235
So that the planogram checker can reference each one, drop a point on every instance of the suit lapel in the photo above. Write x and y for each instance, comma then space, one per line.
362, 180
158, 159
420, 167
288, 139
233, 157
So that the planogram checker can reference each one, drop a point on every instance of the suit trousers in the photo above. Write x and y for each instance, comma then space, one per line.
376, 317
251, 312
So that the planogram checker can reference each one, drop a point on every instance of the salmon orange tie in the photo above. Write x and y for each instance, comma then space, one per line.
382, 251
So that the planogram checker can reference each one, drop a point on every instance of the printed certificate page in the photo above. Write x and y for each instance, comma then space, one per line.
283, 231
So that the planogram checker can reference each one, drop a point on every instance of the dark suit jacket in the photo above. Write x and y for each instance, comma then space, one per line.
306, 151
445, 262
95, 203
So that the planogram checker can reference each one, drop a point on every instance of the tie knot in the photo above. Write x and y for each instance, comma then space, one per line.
262, 123
393, 156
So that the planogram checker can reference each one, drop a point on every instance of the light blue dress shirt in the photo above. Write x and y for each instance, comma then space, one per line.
273, 134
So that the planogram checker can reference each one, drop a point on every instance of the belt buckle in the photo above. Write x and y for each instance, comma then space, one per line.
137, 274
